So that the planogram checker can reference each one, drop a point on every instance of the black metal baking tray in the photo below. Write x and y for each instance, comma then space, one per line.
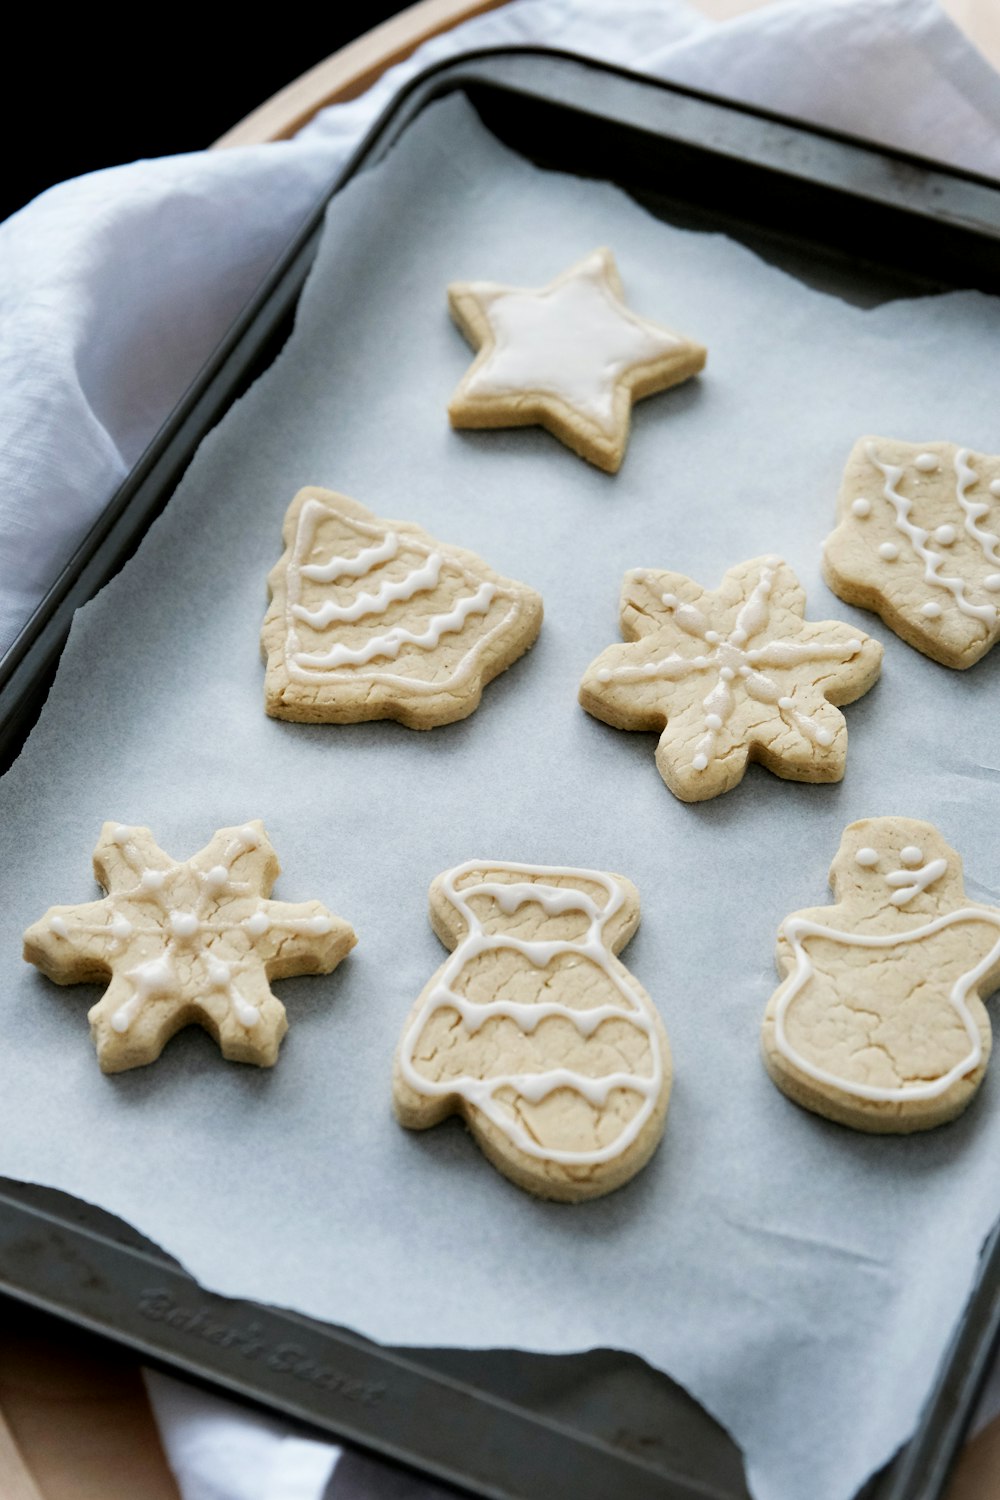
852, 219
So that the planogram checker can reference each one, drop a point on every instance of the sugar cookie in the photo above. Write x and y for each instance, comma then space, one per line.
731, 676
186, 943
918, 542
533, 1030
879, 1022
373, 619
569, 356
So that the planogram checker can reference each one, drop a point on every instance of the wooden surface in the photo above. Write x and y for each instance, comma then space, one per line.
74, 1420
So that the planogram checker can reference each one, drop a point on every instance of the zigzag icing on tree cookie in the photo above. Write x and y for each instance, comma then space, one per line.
879, 1022
731, 676
394, 625
547, 1095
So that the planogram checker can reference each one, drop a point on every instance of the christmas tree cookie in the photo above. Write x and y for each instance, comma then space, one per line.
186, 943
879, 1020
918, 541
731, 675
373, 619
534, 1032
569, 356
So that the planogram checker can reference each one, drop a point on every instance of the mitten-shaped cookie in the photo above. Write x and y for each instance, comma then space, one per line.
192, 942
731, 675
918, 540
533, 1030
879, 1021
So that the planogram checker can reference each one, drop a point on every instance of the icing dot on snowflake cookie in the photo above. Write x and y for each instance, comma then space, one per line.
734, 675
930, 520
992, 582
878, 1022
506, 1030
570, 356
995, 487
861, 507
205, 958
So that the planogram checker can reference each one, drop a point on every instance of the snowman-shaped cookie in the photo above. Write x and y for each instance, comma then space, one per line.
879, 1022
533, 1030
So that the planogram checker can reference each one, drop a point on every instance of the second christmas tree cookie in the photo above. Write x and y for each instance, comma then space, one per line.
373, 619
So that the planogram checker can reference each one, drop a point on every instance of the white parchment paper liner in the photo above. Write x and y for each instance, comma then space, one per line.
799, 1279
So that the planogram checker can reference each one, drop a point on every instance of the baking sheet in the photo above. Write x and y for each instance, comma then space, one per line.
800, 1280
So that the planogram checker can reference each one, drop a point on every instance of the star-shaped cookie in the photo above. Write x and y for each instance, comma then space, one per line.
186, 943
569, 356
731, 676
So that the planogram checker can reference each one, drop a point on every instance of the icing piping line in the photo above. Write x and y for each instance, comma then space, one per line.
554, 900
795, 929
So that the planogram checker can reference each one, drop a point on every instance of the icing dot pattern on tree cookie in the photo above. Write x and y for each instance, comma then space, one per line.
918, 541
879, 1022
535, 1032
730, 676
373, 619
183, 943
570, 356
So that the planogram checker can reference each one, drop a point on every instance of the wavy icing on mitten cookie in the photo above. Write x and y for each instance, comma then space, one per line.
191, 942
918, 541
569, 356
731, 675
879, 1021
535, 1032
373, 619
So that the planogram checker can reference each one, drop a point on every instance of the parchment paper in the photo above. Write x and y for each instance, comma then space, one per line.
799, 1279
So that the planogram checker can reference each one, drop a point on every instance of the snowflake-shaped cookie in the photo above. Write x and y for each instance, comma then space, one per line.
186, 943
730, 676
569, 356
918, 541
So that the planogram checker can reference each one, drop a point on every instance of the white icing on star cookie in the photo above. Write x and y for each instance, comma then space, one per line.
923, 549
731, 676
569, 356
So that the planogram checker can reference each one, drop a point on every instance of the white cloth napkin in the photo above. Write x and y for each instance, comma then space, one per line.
115, 288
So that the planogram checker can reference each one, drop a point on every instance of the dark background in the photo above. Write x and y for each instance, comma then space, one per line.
94, 95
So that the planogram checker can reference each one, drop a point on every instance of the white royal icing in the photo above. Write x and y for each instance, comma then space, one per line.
910, 882
573, 339
181, 929
328, 665
866, 857
731, 659
479, 1092
919, 538
796, 929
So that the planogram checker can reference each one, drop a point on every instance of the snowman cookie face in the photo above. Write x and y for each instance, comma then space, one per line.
534, 1032
879, 1022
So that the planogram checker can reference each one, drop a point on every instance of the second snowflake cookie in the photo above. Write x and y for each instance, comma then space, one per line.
533, 1030
730, 676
